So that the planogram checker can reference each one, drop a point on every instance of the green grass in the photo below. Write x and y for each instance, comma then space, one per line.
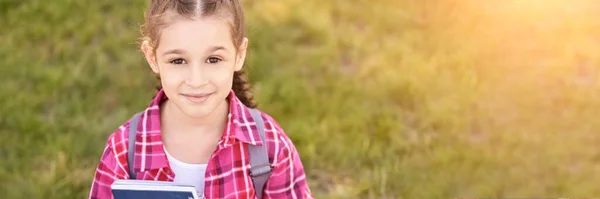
383, 99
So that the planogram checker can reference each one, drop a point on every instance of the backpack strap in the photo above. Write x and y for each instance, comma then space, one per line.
260, 169
131, 152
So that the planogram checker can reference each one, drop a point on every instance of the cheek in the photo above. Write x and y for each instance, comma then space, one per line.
228, 83
171, 77
222, 75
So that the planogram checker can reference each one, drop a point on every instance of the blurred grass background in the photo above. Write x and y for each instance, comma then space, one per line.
383, 99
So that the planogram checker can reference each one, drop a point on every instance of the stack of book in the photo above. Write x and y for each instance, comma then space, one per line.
136, 189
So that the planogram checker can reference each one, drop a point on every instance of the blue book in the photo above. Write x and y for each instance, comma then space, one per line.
136, 189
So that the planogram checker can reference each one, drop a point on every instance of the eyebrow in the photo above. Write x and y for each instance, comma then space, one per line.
180, 51
217, 48
174, 51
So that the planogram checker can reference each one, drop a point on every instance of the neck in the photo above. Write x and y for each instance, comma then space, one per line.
213, 124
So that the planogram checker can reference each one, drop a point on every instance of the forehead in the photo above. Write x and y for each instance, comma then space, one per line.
195, 34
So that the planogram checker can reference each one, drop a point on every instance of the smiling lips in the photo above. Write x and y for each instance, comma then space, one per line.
197, 98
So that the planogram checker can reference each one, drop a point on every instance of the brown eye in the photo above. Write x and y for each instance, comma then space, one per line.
213, 60
177, 61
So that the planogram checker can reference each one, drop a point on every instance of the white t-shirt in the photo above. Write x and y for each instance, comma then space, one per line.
188, 174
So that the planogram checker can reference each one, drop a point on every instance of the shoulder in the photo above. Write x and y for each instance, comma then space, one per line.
277, 140
118, 140
113, 162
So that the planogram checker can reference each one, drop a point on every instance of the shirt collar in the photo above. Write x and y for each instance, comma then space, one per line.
149, 151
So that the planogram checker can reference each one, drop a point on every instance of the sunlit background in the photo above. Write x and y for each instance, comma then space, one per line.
382, 98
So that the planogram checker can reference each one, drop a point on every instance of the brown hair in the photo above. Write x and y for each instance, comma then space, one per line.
160, 13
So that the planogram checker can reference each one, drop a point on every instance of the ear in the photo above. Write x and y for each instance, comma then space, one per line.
241, 54
150, 56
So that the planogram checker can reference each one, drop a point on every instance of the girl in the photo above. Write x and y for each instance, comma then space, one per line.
198, 128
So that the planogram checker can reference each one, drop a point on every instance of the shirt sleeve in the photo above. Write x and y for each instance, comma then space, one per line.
110, 168
288, 179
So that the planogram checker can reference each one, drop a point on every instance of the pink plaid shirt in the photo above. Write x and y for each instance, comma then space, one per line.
227, 172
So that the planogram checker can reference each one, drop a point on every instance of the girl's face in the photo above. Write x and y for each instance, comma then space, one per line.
196, 60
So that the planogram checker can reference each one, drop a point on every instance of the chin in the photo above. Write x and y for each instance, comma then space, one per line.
197, 111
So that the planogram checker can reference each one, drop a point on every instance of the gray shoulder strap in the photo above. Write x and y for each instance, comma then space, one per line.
131, 152
260, 169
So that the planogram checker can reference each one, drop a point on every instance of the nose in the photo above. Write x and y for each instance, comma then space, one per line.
197, 76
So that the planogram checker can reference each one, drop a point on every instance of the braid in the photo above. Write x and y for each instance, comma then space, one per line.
158, 86
241, 88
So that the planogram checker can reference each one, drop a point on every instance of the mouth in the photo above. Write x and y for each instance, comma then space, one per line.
197, 97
